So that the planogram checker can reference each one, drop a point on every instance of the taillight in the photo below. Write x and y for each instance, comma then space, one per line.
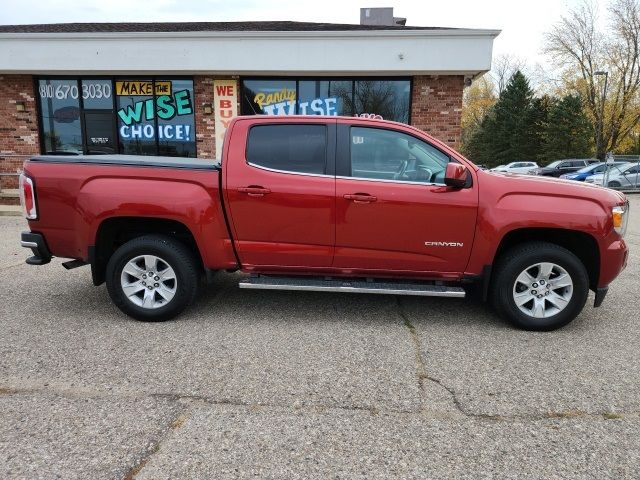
28, 197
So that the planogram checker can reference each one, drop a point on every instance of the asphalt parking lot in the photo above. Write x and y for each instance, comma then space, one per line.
258, 384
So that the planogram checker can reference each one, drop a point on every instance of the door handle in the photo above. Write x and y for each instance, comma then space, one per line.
254, 191
361, 197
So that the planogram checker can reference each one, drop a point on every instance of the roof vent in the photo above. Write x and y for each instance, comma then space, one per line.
380, 16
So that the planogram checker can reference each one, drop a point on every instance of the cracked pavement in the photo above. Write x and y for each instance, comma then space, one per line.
309, 385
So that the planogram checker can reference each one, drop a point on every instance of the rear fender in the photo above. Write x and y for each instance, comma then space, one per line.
185, 202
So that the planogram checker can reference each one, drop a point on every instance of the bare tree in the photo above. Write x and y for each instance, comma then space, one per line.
503, 69
603, 67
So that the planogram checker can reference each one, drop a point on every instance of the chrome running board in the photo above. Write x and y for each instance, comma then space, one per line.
351, 286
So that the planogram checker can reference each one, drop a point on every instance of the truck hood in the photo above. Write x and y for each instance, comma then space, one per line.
550, 186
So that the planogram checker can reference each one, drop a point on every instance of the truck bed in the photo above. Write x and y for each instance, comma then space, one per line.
77, 193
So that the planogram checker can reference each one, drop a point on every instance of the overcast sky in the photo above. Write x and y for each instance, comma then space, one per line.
522, 23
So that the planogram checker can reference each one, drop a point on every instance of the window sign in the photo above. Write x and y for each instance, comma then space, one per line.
371, 98
325, 97
156, 119
136, 118
225, 107
97, 94
176, 122
269, 97
60, 111
130, 116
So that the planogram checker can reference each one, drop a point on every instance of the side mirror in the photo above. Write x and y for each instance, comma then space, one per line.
456, 175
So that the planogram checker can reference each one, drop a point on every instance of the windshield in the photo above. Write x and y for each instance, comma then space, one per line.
554, 164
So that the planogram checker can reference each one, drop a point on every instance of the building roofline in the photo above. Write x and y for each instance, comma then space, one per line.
453, 32
186, 27
395, 51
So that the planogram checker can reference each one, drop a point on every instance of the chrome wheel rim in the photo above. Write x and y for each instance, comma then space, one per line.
148, 281
543, 290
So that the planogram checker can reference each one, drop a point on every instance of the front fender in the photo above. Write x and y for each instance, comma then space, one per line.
517, 202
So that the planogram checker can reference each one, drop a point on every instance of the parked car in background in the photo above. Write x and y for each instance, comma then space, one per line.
516, 167
625, 175
587, 171
560, 167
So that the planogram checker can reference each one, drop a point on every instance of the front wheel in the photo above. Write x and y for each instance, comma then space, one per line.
152, 278
614, 184
539, 286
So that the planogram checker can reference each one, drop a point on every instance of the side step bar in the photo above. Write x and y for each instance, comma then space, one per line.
351, 286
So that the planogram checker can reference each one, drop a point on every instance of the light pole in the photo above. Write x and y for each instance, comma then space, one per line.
600, 131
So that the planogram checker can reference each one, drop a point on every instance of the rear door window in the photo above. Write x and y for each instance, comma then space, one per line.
288, 148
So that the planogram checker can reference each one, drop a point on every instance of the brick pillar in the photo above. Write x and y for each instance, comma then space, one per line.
205, 123
18, 129
436, 106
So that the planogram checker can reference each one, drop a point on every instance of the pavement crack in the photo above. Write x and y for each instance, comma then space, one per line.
193, 401
176, 423
422, 368
257, 406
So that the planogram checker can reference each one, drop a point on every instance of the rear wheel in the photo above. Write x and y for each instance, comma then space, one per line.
614, 184
152, 278
539, 286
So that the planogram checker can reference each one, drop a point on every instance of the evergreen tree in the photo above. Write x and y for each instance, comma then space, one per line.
513, 129
568, 131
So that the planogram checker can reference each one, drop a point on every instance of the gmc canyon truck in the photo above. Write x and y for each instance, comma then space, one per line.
326, 204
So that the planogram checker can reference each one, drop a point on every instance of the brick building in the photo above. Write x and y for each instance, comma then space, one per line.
170, 88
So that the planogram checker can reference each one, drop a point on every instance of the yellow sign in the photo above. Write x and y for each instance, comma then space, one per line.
225, 106
284, 95
142, 87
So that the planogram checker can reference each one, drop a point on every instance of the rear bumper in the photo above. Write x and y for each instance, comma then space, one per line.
37, 244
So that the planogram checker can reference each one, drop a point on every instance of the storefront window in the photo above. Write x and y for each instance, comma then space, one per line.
269, 97
136, 117
176, 126
97, 94
97, 114
325, 97
60, 110
387, 98
129, 116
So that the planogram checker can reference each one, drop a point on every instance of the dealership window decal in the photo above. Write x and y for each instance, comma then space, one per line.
130, 116
387, 98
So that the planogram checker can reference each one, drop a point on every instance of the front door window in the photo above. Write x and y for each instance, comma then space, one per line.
390, 155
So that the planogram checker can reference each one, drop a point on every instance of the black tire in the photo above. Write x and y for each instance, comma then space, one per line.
510, 265
172, 253
614, 184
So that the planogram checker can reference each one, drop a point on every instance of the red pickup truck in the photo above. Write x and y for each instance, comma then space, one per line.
326, 204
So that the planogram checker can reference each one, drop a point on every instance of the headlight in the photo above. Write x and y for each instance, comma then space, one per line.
620, 216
